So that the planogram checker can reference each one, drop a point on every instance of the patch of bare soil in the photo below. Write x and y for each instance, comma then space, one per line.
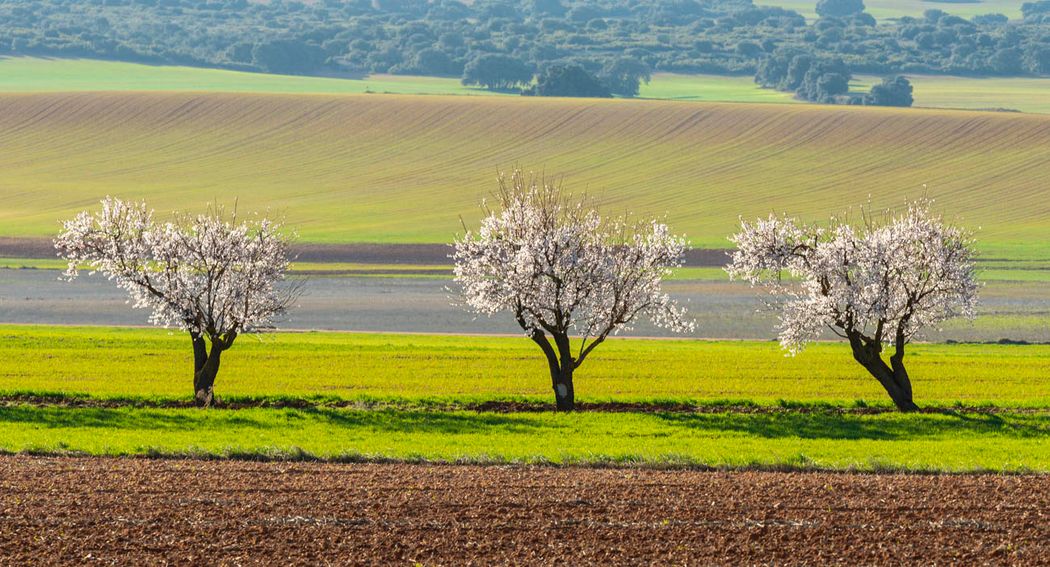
140, 511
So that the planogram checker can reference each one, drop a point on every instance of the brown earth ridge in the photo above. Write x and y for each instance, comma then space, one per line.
143, 511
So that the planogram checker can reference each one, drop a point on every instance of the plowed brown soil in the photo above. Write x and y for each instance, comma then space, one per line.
138, 511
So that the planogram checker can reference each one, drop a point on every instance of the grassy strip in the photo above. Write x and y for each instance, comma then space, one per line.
885, 9
926, 442
115, 363
33, 74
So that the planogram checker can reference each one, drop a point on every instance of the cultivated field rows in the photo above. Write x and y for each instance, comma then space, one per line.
144, 511
366, 168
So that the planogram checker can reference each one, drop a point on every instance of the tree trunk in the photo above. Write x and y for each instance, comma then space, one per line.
561, 370
200, 351
895, 380
204, 378
564, 395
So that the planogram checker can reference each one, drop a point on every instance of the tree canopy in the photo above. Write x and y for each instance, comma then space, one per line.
445, 37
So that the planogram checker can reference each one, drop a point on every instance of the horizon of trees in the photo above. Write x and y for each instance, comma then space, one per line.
504, 45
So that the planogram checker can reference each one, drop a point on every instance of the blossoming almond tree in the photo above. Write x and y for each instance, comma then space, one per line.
561, 269
207, 274
876, 284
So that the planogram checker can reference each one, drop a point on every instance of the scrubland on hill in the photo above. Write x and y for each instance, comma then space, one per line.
403, 169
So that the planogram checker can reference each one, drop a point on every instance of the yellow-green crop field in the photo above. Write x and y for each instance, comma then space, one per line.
367, 168
152, 363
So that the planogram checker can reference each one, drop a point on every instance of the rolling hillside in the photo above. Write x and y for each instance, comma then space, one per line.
363, 168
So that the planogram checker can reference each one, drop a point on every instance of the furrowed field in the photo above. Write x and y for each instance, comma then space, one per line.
362, 168
475, 399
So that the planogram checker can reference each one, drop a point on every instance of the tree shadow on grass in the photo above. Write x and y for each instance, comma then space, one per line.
394, 421
193, 419
832, 425
98, 418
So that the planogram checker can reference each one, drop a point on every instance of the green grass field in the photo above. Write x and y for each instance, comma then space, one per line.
407, 389
1025, 94
150, 363
896, 8
711, 88
38, 75
952, 442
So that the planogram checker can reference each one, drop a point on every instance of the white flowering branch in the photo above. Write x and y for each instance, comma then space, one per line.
207, 274
561, 269
877, 284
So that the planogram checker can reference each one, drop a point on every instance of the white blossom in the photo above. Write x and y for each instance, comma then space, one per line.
205, 274
559, 268
884, 281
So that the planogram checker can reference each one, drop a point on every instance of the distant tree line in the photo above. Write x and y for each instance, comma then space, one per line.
516, 45
827, 81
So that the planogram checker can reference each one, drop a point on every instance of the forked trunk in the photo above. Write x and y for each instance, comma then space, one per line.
206, 366
894, 379
204, 379
564, 396
200, 351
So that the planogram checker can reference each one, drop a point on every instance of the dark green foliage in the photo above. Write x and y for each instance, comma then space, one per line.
1036, 12
442, 37
1037, 59
824, 81
892, 91
287, 56
568, 80
839, 8
545, 8
810, 78
623, 76
497, 72
435, 62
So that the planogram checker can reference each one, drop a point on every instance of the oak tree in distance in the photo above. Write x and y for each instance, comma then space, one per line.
877, 283
209, 274
568, 276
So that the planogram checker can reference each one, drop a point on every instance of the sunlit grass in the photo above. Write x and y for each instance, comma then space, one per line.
952, 442
884, 9
1024, 94
34, 74
152, 363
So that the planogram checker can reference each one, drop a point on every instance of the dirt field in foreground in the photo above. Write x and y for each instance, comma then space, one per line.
138, 511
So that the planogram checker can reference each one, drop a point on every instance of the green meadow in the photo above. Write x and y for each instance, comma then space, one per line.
39, 75
408, 397
155, 364
948, 441
883, 9
42, 75
1023, 94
